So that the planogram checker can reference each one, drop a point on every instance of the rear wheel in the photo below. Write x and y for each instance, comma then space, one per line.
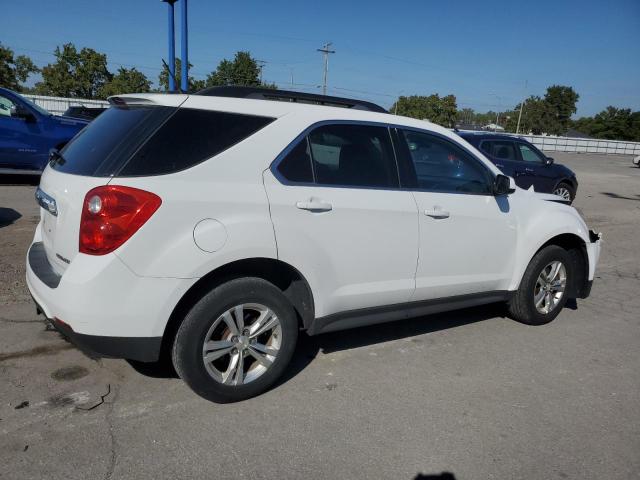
543, 290
236, 341
565, 191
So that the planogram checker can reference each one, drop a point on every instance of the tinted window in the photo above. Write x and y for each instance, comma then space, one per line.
529, 154
190, 137
105, 144
353, 155
500, 149
296, 166
442, 166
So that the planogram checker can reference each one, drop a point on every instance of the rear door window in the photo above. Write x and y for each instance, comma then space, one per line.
353, 155
296, 165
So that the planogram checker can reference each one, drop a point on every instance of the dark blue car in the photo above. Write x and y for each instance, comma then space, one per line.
525, 163
28, 133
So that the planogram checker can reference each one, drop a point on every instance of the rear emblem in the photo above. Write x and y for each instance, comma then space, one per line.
46, 202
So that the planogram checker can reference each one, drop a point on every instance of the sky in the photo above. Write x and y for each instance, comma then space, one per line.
489, 54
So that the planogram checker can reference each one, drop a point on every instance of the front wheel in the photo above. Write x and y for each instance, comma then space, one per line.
566, 191
543, 290
236, 341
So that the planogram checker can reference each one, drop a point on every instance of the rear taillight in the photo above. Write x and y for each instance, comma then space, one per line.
111, 214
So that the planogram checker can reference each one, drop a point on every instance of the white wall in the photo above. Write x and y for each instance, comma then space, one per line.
583, 145
58, 105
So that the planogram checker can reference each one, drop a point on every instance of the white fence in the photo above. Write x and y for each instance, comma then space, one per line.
583, 145
58, 105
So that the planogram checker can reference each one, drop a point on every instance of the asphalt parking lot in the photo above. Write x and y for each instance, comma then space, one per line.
471, 392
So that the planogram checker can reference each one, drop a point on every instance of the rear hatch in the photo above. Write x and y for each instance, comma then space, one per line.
89, 160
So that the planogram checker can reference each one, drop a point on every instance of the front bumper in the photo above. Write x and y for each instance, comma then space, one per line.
103, 307
593, 255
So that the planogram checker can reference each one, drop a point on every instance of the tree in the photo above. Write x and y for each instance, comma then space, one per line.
163, 78
612, 123
126, 81
243, 70
440, 110
14, 71
561, 103
80, 74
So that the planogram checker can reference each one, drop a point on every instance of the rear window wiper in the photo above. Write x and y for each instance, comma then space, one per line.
56, 158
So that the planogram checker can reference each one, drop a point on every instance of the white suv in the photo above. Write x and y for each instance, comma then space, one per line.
214, 227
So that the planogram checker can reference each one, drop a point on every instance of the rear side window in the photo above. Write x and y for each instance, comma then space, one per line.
500, 149
353, 155
153, 140
102, 147
190, 137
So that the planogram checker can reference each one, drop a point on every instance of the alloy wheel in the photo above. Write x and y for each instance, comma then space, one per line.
550, 287
242, 344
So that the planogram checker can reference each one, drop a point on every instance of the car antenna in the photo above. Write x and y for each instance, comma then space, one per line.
175, 82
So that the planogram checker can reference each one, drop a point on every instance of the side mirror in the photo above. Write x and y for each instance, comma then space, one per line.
19, 111
548, 160
503, 185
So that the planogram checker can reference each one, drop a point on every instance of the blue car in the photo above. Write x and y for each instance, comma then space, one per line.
28, 133
525, 163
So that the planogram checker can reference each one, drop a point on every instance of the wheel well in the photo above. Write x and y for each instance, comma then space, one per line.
578, 252
568, 182
293, 285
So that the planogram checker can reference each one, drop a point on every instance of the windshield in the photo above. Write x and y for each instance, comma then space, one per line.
31, 104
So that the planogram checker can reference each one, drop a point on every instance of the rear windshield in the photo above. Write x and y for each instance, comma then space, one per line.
152, 140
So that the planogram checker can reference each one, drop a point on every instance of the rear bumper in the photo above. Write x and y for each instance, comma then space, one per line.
143, 349
103, 307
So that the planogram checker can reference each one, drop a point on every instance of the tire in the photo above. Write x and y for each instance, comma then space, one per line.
214, 319
566, 191
522, 306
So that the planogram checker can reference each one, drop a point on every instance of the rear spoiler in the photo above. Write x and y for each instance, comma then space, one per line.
147, 99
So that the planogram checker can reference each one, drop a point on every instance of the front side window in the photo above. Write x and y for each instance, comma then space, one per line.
5, 106
529, 154
442, 166
500, 149
353, 155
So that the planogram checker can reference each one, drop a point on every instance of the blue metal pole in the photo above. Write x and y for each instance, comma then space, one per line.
172, 48
185, 49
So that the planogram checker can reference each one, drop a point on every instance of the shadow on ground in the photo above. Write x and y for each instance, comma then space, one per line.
308, 347
19, 179
8, 216
621, 197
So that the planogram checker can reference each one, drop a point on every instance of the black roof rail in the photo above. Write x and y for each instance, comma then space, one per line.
290, 96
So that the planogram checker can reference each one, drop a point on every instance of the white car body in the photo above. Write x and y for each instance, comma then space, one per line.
375, 248
636, 160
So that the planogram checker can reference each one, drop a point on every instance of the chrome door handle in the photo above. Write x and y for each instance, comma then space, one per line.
314, 206
499, 165
530, 170
436, 213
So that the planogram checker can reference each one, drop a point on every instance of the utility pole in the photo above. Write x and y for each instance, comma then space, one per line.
325, 51
261, 64
521, 106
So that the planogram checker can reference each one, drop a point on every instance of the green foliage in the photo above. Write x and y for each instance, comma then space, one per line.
81, 74
126, 81
243, 70
14, 71
561, 103
612, 123
436, 109
163, 78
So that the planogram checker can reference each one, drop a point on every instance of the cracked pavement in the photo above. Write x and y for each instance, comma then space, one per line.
468, 392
